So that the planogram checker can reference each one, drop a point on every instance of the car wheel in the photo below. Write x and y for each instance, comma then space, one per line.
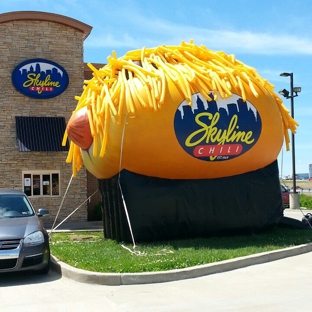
46, 269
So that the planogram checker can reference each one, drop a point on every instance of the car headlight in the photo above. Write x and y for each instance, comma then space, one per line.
34, 239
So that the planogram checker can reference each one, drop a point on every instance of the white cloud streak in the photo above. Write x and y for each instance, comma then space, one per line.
133, 26
243, 42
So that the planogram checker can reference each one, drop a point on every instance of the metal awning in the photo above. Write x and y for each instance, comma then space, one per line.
40, 134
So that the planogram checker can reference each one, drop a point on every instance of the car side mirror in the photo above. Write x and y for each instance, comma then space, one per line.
42, 212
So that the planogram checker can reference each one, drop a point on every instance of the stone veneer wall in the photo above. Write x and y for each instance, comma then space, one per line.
27, 39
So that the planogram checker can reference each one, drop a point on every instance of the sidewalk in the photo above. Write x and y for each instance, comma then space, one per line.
76, 226
296, 213
173, 275
98, 225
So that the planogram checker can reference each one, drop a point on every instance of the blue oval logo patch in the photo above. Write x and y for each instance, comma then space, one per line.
40, 78
217, 130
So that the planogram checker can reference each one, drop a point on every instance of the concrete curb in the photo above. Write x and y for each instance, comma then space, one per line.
117, 279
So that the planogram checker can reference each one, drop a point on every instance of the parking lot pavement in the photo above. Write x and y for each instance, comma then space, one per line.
282, 285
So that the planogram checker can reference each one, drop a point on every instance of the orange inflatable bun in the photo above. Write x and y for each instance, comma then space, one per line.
177, 112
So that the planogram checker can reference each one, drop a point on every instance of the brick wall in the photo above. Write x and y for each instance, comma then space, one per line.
58, 42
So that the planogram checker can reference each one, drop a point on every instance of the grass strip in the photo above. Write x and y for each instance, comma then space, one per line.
91, 251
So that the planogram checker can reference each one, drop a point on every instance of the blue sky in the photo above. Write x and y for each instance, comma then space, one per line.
273, 36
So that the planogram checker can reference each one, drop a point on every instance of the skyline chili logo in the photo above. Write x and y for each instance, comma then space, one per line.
40, 78
217, 130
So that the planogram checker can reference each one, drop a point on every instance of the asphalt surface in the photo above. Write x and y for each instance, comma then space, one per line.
282, 285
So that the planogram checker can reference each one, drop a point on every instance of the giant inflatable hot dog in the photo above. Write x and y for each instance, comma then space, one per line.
176, 112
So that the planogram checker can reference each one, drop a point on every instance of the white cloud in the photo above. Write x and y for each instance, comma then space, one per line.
156, 32
133, 26
144, 29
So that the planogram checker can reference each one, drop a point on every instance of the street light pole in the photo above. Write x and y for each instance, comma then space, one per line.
294, 201
292, 134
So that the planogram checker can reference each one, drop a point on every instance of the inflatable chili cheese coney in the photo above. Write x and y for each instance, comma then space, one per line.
176, 112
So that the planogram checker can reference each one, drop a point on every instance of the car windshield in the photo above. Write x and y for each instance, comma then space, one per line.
14, 206
283, 188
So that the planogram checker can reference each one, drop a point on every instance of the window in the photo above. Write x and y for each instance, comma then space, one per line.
41, 183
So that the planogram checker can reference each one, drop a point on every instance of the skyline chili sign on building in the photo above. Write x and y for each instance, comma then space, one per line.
40, 78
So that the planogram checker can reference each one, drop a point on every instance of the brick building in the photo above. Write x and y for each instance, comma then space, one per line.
32, 157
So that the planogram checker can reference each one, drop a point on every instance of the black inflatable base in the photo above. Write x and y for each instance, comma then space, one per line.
287, 222
163, 209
